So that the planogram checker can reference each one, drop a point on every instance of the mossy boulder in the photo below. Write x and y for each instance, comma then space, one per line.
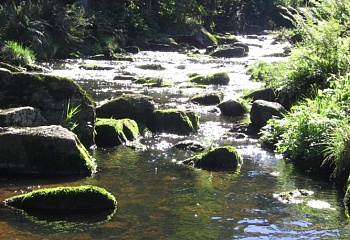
134, 106
225, 157
176, 121
233, 52
205, 38
232, 108
214, 79
52, 95
150, 81
44, 151
114, 132
208, 98
64, 199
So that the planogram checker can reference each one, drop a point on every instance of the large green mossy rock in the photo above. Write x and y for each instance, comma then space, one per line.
175, 121
214, 79
82, 198
43, 151
225, 157
51, 95
113, 132
134, 106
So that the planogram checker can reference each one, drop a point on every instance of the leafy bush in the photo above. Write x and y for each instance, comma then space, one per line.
315, 132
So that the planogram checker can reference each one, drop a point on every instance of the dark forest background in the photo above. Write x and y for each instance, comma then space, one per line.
62, 29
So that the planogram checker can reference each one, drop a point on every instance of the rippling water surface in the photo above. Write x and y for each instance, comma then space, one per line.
158, 199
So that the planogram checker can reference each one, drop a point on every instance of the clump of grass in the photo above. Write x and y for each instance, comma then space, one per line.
14, 53
68, 120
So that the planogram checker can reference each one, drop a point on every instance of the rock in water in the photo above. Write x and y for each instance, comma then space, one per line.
45, 151
82, 198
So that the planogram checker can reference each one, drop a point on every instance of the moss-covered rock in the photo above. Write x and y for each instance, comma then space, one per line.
134, 106
44, 151
52, 95
82, 198
215, 79
208, 99
113, 132
151, 67
233, 52
150, 81
225, 157
174, 121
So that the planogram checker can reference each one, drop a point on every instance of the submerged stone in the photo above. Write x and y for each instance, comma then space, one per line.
114, 132
225, 157
174, 121
82, 198
44, 151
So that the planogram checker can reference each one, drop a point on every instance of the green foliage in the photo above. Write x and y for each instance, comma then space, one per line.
315, 132
68, 120
14, 53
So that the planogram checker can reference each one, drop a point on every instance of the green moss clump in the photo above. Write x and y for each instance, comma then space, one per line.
215, 79
87, 198
174, 121
114, 132
150, 81
225, 157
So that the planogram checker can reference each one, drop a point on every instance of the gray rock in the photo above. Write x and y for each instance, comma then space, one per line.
21, 117
233, 52
232, 108
262, 111
52, 95
134, 106
45, 151
208, 99
191, 145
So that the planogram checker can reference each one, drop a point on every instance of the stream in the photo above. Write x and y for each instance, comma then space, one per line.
158, 199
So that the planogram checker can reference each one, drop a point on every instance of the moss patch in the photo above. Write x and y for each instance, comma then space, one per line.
174, 121
225, 157
87, 198
114, 132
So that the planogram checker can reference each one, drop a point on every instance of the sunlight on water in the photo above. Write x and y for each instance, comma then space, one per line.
158, 199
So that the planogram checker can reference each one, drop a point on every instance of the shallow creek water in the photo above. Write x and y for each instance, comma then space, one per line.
158, 199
